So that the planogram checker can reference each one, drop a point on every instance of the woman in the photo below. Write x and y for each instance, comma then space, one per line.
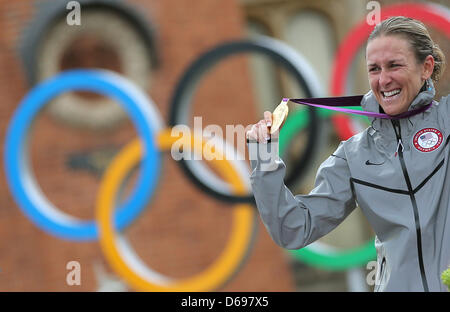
397, 170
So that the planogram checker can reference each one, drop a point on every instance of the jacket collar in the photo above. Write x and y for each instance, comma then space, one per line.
370, 104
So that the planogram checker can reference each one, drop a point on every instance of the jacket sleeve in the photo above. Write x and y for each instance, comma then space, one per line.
296, 221
444, 112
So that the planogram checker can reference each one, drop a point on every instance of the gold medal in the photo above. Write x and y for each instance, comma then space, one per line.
279, 115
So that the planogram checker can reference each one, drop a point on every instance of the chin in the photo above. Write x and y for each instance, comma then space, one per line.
393, 112
393, 109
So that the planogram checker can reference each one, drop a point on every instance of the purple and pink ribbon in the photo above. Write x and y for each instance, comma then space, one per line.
331, 103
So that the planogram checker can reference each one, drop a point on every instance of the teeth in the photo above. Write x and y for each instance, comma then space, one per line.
391, 93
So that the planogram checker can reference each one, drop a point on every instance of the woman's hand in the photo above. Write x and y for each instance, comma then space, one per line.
260, 131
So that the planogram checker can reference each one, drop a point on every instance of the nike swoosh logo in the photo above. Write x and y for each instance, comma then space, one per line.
368, 163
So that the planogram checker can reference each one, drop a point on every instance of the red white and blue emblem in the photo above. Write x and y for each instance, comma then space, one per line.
428, 139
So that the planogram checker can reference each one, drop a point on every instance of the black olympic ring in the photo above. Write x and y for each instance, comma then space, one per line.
278, 52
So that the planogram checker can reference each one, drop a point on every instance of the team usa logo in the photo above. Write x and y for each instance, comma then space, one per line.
428, 139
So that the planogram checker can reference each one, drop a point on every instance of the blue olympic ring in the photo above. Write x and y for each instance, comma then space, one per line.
17, 167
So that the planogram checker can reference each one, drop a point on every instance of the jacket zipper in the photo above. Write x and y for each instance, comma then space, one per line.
399, 151
381, 273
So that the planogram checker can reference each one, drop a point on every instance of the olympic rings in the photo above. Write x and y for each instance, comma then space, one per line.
180, 108
29, 197
19, 173
324, 257
319, 254
130, 267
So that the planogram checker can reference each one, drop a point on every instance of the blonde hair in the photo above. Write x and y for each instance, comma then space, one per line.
417, 35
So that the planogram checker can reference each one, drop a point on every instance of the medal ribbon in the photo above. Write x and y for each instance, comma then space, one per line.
331, 103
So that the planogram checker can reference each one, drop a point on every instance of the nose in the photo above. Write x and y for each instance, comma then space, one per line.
384, 79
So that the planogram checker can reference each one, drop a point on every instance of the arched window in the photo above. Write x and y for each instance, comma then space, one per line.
266, 86
310, 33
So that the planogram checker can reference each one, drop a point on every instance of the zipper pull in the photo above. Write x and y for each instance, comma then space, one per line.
398, 134
398, 145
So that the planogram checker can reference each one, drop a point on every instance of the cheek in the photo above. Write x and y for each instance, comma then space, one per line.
373, 83
413, 85
410, 79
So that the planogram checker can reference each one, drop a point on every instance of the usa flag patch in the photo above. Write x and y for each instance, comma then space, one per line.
428, 139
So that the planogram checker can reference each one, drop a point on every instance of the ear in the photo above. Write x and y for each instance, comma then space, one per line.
428, 67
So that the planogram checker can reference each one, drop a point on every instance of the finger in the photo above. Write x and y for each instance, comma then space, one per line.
268, 118
252, 134
263, 132
260, 134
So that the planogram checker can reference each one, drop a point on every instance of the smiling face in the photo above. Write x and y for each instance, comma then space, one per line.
395, 75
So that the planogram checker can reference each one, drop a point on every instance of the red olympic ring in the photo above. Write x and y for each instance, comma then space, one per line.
430, 14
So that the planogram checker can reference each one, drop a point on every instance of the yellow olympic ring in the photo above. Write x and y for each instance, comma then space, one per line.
144, 279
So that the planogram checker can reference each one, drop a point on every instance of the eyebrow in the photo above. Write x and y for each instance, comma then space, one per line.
390, 62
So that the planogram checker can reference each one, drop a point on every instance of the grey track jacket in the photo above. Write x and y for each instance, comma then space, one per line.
398, 172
